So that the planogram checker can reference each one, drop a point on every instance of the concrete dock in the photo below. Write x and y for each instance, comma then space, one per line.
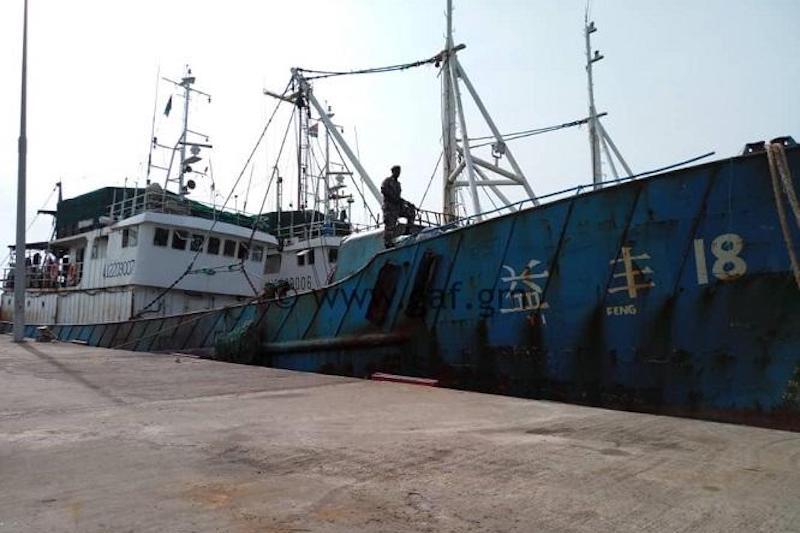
100, 440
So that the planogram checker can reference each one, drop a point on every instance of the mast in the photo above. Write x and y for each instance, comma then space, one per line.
334, 131
327, 171
448, 125
186, 83
457, 153
194, 147
152, 129
598, 136
22, 147
594, 137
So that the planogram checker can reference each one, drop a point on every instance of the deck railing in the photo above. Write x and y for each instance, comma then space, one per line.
48, 275
148, 200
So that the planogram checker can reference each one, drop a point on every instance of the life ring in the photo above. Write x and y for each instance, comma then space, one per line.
72, 274
52, 271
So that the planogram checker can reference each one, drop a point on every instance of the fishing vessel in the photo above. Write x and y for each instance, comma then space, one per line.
675, 290
122, 253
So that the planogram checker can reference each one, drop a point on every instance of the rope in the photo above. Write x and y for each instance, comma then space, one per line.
779, 173
264, 199
788, 183
320, 74
528, 133
433, 174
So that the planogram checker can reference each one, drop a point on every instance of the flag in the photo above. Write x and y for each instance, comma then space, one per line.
313, 131
169, 106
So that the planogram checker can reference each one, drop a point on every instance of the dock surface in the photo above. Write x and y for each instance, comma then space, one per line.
101, 440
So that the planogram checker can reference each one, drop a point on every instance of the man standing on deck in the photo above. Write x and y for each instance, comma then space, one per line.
395, 207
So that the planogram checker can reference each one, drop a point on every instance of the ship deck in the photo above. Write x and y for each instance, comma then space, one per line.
100, 440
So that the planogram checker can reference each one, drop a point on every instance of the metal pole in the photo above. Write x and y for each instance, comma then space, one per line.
326, 204
498, 137
495, 190
613, 146
153, 128
22, 147
594, 139
448, 125
476, 203
608, 156
299, 155
186, 82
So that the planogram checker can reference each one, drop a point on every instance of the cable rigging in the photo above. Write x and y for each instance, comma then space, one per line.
322, 74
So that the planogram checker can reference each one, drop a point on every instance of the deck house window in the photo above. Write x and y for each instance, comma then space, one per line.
179, 239
160, 237
196, 243
273, 264
130, 237
243, 252
333, 255
305, 257
229, 250
99, 247
213, 246
257, 254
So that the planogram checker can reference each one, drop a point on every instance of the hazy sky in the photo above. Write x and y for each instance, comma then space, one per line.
679, 78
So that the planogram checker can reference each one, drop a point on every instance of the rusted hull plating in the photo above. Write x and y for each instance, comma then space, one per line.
670, 294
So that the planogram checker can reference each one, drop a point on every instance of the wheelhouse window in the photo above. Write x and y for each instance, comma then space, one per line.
130, 237
160, 237
305, 257
99, 247
273, 264
257, 254
179, 239
196, 244
229, 249
243, 252
333, 255
213, 246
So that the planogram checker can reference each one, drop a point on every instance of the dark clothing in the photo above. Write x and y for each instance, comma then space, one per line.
391, 190
395, 207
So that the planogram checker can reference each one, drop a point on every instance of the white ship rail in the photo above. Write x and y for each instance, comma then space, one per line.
49, 273
149, 200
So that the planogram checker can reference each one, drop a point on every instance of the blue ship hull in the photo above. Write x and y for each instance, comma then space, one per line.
671, 294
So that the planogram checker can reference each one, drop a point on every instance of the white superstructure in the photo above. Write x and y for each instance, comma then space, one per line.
152, 263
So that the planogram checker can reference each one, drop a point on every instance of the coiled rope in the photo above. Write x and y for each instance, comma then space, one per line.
782, 183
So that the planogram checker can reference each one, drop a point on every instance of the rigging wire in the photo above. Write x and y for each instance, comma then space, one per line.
321, 74
271, 179
433, 175
528, 133
263, 203
247, 191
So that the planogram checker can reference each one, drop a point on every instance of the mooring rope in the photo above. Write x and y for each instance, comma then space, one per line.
782, 182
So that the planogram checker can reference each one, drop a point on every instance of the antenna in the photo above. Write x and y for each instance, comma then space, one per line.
153, 128
598, 136
186, 84
459, 158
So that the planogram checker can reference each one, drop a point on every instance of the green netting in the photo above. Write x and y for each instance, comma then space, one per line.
240, 345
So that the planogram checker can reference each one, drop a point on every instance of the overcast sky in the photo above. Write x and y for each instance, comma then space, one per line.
679, 78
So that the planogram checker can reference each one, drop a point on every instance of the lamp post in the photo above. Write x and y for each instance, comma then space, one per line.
19, 250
